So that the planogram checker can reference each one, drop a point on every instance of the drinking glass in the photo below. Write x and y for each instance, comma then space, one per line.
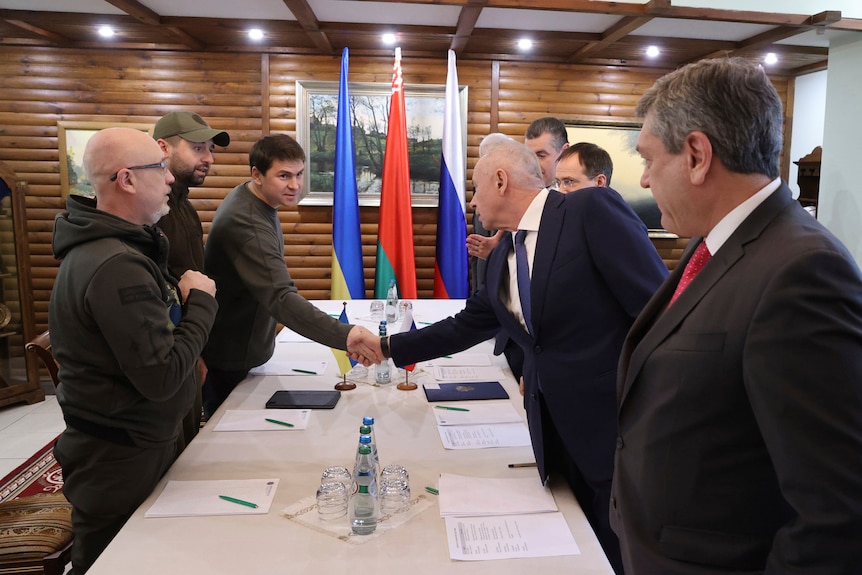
332, 500
394, 496
376, 310
394, 471
338, 473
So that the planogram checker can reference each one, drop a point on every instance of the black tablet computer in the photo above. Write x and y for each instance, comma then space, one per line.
303, 399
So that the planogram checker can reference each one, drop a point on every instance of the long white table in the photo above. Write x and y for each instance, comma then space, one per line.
406, 433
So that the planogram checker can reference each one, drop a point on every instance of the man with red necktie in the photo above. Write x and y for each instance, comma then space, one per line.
740, 403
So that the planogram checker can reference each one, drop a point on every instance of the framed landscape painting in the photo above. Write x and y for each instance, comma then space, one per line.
72, 138
317, 110
620, 140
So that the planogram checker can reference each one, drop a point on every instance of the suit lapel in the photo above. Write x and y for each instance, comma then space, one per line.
656, 322
548, 239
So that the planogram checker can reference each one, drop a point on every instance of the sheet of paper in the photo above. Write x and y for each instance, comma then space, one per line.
485, 413
275, 367
462, 496
463, 359
484, 436
198, 498
467, 373
510, 536
256, 419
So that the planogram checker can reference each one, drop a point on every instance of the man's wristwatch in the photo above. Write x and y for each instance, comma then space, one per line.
384, 347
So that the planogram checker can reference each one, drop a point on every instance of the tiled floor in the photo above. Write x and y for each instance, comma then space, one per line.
24, 429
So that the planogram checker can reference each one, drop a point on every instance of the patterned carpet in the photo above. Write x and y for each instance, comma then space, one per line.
39, 474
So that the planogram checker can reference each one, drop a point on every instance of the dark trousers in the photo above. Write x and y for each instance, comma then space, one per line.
594, 498
105, 482
217, 387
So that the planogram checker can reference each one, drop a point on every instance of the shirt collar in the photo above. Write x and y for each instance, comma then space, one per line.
729, 223
533, 216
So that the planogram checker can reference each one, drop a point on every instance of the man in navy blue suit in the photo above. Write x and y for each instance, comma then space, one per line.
592, 269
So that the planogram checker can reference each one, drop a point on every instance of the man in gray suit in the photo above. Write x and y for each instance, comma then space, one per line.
740, 398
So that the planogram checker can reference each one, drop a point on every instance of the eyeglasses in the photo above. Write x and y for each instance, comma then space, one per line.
163, 165
565, 183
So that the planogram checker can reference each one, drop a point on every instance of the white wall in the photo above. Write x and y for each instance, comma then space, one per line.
840, 200
809, 115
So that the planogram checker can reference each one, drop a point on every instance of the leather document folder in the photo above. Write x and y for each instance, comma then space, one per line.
466, 390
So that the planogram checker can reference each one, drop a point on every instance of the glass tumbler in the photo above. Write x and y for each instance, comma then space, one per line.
394, 471
340, 474
394, 496
376, 310
332, 500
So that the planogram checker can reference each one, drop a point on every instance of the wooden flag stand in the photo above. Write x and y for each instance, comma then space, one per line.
406, 385
344, 385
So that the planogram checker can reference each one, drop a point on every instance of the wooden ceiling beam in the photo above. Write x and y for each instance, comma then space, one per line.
615, 33
147, 16
52, 37
467, 19
137, 11
310, 24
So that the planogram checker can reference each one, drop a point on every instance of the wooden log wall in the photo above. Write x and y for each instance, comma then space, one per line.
254, 94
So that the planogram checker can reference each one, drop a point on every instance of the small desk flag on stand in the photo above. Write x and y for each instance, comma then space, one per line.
345, 363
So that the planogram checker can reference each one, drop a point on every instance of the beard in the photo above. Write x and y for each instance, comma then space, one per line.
160, 213
189, 177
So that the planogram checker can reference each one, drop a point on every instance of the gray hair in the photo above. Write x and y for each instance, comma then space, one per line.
732, 101
491, 141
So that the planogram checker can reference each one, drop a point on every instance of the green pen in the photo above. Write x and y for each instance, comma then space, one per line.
426, 322
451, 408
432, 490
304, 371
238, 501
286, 424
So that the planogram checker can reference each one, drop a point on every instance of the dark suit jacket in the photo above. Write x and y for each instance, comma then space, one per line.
594, 269
741, 409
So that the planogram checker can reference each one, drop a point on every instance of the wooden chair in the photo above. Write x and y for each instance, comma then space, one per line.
40, 347
36, 534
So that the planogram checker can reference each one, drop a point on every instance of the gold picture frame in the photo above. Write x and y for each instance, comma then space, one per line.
316, 111
72, 138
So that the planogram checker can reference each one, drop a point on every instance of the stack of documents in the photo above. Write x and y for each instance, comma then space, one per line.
294, 367
492, 518
480, 425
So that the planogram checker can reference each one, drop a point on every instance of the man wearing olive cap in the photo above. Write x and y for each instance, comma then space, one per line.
188, 143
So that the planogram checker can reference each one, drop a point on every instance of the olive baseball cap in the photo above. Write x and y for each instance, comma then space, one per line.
189, 126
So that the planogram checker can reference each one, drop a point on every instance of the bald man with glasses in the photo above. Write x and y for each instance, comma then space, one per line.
127, 335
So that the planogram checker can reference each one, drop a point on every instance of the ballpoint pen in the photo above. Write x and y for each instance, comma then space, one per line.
238, 501
451, 408
515, 465
284, 423
430, 489
309, 372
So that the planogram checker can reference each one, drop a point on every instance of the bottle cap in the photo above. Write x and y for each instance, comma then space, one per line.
364, 439
364, 450
364, 430
367, 420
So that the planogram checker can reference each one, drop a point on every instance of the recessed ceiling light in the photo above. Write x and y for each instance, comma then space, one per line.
525, 43
106, 31
653, 51
255, 34
388, 38
771, 58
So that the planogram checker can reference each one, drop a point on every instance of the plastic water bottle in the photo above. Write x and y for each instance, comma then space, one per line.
391, 310
382, 373
368, 430
369, 421
363, 504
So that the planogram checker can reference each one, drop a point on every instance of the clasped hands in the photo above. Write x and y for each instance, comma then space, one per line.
363, 346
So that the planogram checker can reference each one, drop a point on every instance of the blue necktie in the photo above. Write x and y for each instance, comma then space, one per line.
523, 277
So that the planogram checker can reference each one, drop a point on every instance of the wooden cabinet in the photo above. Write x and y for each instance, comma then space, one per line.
19, 376
808, 178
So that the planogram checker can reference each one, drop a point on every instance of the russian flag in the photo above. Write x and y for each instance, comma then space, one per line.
451, 264
348, 275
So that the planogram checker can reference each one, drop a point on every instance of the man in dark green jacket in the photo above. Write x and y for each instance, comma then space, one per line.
127, 336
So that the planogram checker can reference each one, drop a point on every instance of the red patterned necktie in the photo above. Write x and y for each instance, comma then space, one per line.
692, 268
